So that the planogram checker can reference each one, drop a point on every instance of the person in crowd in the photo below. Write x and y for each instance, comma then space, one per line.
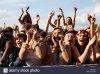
59, 54
8, 50
68, 23
33, 50
26, 20
33, 46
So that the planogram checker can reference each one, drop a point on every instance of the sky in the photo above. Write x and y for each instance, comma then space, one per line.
10, 10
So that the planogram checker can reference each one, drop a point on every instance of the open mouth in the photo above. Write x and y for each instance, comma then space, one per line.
19, 43
70, 40
81, 40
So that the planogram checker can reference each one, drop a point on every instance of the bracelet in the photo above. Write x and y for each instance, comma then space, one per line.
63, 50
25, 45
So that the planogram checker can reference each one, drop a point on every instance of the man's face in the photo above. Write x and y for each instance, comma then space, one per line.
69, 39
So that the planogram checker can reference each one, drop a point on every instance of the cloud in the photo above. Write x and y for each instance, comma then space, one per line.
96, 1
5, 14
8, 2
81, 20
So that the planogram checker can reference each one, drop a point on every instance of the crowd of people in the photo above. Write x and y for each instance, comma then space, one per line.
33, 46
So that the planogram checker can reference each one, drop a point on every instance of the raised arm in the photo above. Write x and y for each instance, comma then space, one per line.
58, 21
30, 20
52, 25
24, 48
75, 9
62, 14
20, 18
92, 23
37, 18
83, 57
48, 21
66, 53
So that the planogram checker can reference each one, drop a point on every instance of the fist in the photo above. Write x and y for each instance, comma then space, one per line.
75, 8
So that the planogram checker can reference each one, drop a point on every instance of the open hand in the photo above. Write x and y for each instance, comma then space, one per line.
51, 14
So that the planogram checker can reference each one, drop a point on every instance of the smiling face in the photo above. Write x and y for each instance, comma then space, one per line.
69, 39
68, 20
19, 42
57, 33
81, 38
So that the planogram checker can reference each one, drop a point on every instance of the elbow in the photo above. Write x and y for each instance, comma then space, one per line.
40, 56
21, 56
67, 60
82, 61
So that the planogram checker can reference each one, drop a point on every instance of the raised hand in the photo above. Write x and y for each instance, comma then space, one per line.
75, 8
91, 18
61, 10
61, 39
22, 10
27, 8
54, 42
35, 35
37, 17
59, 17
28, 37
51, 13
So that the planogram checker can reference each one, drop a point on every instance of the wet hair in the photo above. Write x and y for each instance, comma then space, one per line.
22, 36
82, 31
87, 38
73, 32
26, 18
4, 38
43, 34
9, 29
36, 26
58, 28
70, 19
27, 26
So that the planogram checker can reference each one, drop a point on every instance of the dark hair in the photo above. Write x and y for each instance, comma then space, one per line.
73, 32
22, 36
5, 37
43, 34
9, 29
27, 26
36, 26
26, 18
70, 19
82, 31
58, 28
